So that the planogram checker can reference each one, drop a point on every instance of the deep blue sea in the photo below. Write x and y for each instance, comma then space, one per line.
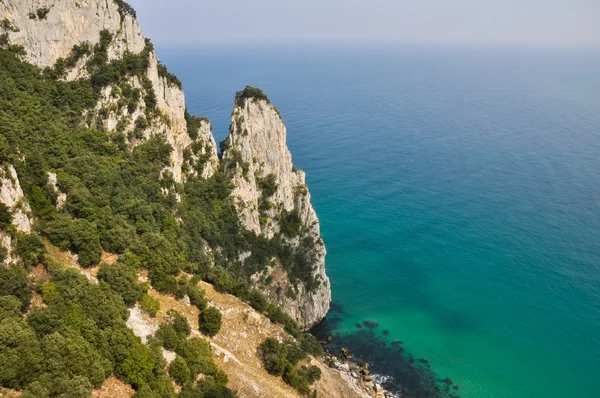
459, 195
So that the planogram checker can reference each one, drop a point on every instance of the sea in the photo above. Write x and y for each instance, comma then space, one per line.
458, 189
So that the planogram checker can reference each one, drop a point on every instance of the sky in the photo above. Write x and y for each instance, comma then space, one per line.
441, 21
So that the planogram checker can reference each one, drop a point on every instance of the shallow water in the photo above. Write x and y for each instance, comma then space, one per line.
459, 195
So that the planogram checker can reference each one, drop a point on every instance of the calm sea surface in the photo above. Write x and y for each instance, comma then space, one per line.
459, 197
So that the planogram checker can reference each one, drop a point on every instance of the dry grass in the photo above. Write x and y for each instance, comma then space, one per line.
234, 347
6, 393
113, 388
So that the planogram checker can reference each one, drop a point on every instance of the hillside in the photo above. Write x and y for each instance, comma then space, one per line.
138, 260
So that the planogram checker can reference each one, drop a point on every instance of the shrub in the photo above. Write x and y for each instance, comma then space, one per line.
210, 321
251, 93
5, 216
274, 356
14, 282
280, 359
196, 296
310, 345
198, 357
179, 370
150, 305
122, 280
30, 249
42, 12
10, 308
179, 323
290, 223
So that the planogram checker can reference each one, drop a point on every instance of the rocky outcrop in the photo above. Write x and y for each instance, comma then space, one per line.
48, 31
145, 100
11, 195
272, 199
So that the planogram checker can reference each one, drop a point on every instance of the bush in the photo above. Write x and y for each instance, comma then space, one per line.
251, 93
30, 249
42, 12
290, 223
310, 345
179, 370
80, 236
5, 216
14, 282
210, 321
196, 296
179, 323
150, 305
280, 359
121, 280
274, 356
10, 308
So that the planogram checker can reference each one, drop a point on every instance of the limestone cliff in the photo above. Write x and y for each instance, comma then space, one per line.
273, 200
50, 31
138, 98
11, 195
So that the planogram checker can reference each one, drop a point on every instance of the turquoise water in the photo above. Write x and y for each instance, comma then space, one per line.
459, 194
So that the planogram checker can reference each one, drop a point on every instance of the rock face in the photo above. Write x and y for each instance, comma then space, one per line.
48, 31
272, 199
271, 196
12, 196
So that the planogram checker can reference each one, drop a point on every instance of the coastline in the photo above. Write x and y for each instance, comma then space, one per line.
373, 360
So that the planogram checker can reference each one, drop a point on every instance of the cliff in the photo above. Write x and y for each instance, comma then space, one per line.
11, 195
149, 101
273, 201
116, 171
52, 32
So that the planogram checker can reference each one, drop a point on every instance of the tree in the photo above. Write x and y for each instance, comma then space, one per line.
5, 216
30, 249
150, 305
122, 280
20, 354
179, 370
196, 296
210, 321
179, 323
10, 308
13, 282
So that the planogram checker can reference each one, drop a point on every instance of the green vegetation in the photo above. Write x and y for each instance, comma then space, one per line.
7, 24
193, 124
5, 216
179, 370
125, 8
14, 282
42, 12
290, 223
30, 249
210, 321
250, 93
119, 200
281, 359
71, 344
171, 78
194, 354
121, 280
150, 305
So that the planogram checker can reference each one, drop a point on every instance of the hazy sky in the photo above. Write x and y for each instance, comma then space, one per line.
466, 21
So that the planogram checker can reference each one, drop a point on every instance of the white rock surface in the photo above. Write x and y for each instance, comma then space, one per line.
74, 22
258, 140
69, 23
61, 196
12, 196
139, 325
